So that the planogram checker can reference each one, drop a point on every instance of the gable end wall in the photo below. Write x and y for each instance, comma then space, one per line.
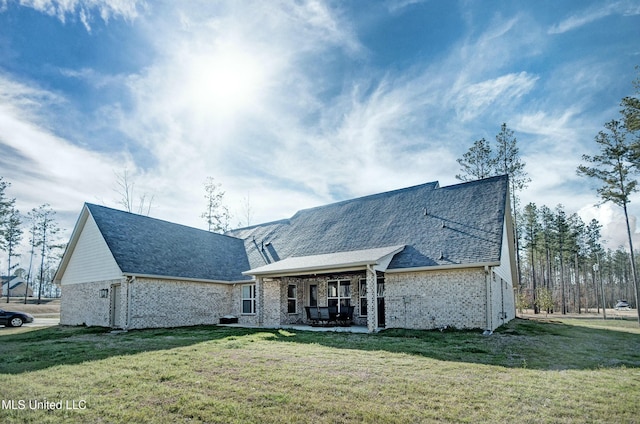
91, 259
435, 299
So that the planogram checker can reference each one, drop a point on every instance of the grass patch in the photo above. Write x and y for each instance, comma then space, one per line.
528, 371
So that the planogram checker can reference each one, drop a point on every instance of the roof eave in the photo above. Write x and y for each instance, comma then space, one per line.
329, 268
356, 266
443, 267
168, 277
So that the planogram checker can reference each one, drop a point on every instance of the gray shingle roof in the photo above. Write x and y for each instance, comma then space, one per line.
143, 245
458, 224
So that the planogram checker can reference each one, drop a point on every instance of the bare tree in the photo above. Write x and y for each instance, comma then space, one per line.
32, 243
247, 211
45, 229
12, 235
125, 189
10, 232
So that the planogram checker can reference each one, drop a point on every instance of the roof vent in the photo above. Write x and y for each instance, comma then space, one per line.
424, 210
444, 225
441, 257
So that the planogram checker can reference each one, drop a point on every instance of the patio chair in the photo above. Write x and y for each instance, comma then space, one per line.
346, 315
313, 314
325, 315
333, 314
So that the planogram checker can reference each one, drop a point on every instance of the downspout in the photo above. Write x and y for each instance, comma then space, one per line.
487, 276
503, 287
130, 281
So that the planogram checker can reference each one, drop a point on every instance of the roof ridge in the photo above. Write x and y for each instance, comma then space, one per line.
373, 196
479, 181
137, 215
262, 224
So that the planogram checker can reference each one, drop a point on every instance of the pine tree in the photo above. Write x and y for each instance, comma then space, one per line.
614, 168
477, 163
216, 214
508, 162
532, 231
12, 235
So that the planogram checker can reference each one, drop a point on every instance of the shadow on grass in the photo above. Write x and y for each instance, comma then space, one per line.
519, 344
52, 346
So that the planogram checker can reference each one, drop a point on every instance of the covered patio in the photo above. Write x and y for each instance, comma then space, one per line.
285, 288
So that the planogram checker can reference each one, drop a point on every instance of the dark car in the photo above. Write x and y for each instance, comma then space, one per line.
14, 319
622, 305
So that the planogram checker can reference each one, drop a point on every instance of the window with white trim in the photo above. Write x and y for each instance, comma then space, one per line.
249, 299
363, 297
339, 293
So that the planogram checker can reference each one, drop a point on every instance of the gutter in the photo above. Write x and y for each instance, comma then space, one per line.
197, 280
443, 267
311, 270
130, 280
488, 331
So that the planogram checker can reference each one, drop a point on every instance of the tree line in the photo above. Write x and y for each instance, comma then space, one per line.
561, 264
45, 248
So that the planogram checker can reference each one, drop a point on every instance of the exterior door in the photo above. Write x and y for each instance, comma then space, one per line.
381, 320
115, 306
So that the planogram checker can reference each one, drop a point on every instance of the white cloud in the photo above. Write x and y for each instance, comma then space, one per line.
255, 95
474, 99
82, 9
614, 231
398, 6
46, 168
232, 87
593, 14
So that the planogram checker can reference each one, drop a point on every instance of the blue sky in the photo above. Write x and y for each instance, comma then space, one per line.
296, 104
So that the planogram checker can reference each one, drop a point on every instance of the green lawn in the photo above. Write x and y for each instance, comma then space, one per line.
574, 371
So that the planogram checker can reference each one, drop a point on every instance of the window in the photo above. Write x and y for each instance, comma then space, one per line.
339, 293
363, 297
292, 298
249, 299
313, 295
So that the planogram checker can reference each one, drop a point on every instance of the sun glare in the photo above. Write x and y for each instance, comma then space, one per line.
226, 81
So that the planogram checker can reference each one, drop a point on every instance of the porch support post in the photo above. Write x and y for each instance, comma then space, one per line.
372, 300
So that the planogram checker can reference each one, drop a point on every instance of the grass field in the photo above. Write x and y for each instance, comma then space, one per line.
574, 371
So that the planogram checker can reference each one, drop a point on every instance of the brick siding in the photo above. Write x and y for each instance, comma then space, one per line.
81, 303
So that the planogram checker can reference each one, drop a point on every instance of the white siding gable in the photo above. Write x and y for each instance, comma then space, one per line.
504, 270
91, 259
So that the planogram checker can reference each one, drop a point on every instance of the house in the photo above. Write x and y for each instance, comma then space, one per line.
421, 257
16, 285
